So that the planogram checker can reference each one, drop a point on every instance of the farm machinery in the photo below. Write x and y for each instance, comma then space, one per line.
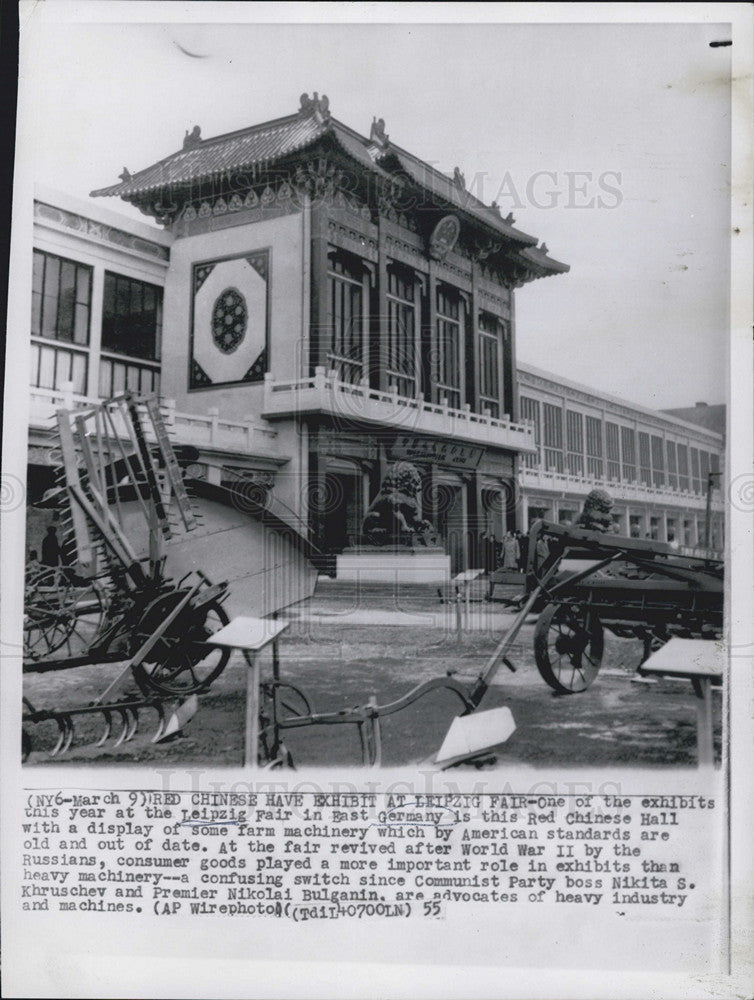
120, 498
635, 588
123, 511
121, 596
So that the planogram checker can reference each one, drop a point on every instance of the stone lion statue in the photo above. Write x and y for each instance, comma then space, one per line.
393, 517
596, 514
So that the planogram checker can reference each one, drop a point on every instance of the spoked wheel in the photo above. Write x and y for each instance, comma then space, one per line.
568, 647
61, 614
181, 662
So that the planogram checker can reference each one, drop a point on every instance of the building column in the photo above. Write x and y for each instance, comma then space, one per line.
510, 374
431, 344
378, 470
431, 513
317, 489
472, 347
475, 519
319, 333
663, 526
643, 523
465, 497
95, 331
379, 328
622, 522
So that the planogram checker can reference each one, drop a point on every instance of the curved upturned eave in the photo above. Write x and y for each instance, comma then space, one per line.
144, 182
352, 145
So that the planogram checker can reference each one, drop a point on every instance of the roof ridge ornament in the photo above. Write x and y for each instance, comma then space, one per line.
458, 179
193, 138
126, 176
315, 105
378, 135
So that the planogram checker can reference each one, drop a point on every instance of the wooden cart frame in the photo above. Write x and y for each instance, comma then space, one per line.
634, 588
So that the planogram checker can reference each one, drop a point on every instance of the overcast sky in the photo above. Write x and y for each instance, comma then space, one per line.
609, 142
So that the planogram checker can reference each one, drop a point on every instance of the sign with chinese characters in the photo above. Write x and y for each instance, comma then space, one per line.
230, 320
439, 451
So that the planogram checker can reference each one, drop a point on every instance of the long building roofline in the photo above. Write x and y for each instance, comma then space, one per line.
559, 380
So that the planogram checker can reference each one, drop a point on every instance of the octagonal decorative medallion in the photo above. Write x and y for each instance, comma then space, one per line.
229, 320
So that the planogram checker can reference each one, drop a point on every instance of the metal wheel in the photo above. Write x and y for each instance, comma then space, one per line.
568, 647
61, 614
181, 663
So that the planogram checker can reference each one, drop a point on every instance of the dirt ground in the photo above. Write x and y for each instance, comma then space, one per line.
340, 663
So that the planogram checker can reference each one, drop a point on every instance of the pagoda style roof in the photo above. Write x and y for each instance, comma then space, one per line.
204, 159
259, 147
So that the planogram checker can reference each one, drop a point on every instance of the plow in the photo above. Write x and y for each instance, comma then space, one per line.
122, 498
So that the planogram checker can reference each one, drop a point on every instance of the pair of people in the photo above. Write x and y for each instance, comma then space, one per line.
509, 554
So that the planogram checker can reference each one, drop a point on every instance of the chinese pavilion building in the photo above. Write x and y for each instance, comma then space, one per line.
354, 298
318, 305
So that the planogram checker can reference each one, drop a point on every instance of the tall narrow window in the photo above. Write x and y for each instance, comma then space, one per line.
553, 436
672, 465
612, 443
628, 453
131, 317
575, 442
530, 412
61, 299
645, 460
683, 467
346, 317
490, 330
658, 462
594, 462
60, 309
401, 331
448, 349
131, 336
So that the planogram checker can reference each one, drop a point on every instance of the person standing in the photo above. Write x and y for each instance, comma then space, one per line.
51, 547
489, 550
523, 545
511, 551
541, 555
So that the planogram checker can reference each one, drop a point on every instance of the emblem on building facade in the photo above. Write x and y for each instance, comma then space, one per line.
444, 237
